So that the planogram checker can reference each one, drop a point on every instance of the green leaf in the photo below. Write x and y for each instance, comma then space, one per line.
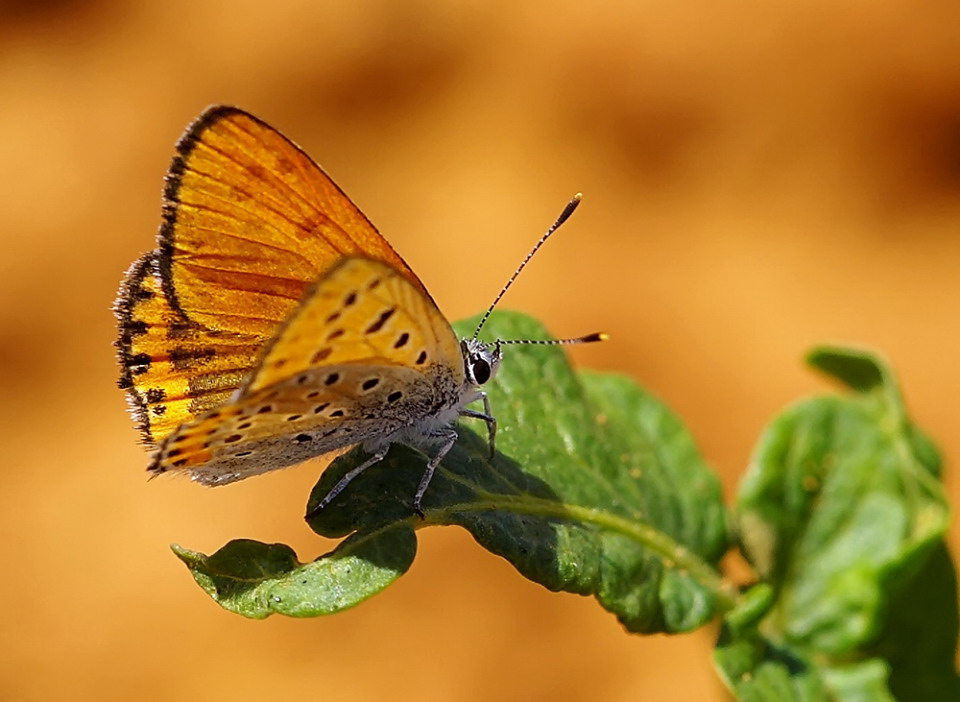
862, 681
756, 670
840, 512
256, 579
919, 637
596, 489
859, 370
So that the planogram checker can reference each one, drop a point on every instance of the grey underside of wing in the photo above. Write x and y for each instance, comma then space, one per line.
308, 417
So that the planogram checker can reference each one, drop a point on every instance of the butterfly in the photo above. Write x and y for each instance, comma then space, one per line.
273, 323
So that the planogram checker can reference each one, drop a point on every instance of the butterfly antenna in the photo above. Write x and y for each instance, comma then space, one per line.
564, 216
587, 339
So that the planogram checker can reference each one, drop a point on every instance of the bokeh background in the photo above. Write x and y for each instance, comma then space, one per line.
758, 178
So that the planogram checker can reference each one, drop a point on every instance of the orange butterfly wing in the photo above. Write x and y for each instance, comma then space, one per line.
250, 221
172, 369
361, 312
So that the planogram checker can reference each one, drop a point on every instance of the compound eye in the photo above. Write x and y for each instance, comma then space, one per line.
481, 371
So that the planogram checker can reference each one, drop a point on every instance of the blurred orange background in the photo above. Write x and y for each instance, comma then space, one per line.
757, 179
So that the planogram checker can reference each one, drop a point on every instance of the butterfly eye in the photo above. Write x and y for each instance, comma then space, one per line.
481, 371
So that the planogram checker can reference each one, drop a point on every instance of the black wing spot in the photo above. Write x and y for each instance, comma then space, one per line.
333, 317
370, 383
265, 409
401, 340
294, 417
422, 358
178, 329
135, 327
350, 299
331, 379
303, 438
303, 379
394, 396
321, 355
179, 463
380, 321
245, 425
155, 395
319, 408
335, 334
336, 413
173, 452
374, 284
139, 363
280, 363
159, 410
183, 359
243, 454
233, 438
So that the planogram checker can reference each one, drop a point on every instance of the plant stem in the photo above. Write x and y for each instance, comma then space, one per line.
673, 554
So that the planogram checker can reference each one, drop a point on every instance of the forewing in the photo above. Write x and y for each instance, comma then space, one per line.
363, 312
250, 221
172, 368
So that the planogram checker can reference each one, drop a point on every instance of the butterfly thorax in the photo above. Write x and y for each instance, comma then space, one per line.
480, 364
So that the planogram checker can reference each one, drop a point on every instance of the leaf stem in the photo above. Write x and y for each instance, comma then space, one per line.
673, 554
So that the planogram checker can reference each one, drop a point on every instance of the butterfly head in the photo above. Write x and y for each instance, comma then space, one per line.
480, 360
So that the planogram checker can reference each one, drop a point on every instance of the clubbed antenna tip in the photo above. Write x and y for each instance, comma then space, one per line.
589, 338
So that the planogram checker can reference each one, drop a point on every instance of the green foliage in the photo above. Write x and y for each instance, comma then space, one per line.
842, 513
255, 579
598, 489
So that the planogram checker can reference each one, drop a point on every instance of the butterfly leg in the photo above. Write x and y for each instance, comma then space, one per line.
486, 416
345, 480
449, 437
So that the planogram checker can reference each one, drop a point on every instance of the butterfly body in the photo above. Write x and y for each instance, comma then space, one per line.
274, 323
240, 440
362, 360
